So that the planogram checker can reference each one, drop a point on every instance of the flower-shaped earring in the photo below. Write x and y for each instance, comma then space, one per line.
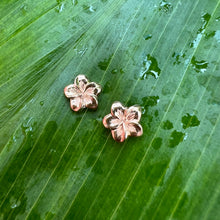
82, 94
123, 121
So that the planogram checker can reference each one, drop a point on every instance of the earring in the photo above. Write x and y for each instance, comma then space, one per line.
123, 121
82, 94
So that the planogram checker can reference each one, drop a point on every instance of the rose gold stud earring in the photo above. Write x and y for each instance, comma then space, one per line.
123, 121
82, 94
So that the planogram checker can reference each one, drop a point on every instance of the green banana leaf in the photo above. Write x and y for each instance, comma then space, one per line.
59, 164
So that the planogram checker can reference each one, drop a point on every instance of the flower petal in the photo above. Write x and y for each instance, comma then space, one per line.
111, 122
134, 113
134, 129
92, 89
90, 101
119, 133
81, 81
76, 103
71, 91
118, 110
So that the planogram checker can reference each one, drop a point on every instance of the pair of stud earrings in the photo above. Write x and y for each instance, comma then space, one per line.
122, 121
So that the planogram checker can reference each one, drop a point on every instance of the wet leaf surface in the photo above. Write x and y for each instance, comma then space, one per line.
60, 164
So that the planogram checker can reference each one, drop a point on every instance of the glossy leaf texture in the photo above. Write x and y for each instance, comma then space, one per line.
60, 164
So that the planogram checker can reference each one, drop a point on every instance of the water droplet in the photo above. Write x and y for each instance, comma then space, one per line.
217, 36
89, 9
195, 43
199, 66
99, 119
121, 71
15, 203
23, 9
14, 139
52, 150
143, 110
157, 142
195, 111
205, 18
185, 137
82, 51
189, 121
103, 65
187, 61
114, 71
165, 7
75, 2
60, 6
177, 57
77, 19
150, 101
218, 18
210, 35
41, 103
13, 206
148, 36
26, 125
150, 67
175, 138
167, 125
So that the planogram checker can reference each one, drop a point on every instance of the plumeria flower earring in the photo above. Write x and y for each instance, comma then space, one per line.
123, 121
82, 94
